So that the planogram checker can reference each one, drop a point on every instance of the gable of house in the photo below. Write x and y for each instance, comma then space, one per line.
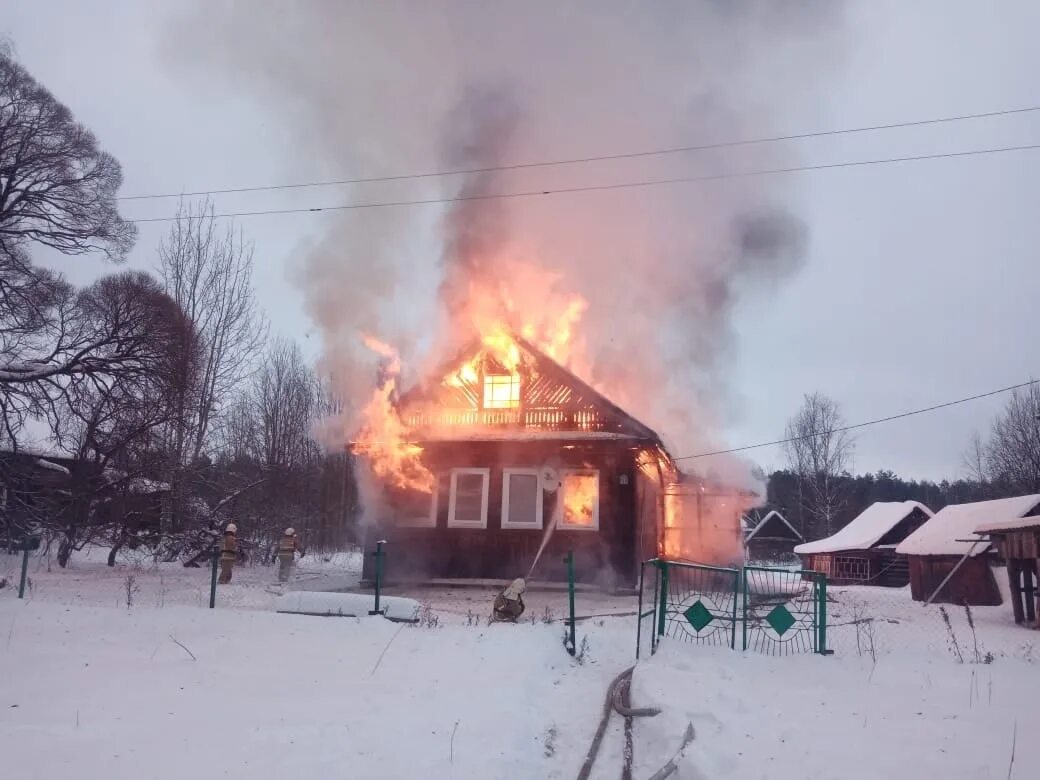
520, 389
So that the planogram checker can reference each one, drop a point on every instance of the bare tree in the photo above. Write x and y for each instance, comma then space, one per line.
57, 189
104, 415
819, 454
974, 460
208, 272
284, 400
1012, 452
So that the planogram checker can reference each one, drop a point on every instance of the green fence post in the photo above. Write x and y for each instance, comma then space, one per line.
379, 554
736, 596
664, 597
744, 591
822, 644
571, 646
213, 578
656, 603
25, 572
639, 611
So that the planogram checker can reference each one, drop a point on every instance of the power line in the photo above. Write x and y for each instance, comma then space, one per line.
861, 424
597, 158
603, 187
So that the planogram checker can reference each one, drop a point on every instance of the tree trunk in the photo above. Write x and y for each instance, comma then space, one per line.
68, 542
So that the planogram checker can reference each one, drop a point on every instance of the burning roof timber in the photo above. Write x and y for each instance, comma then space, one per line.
508, 388
501, 387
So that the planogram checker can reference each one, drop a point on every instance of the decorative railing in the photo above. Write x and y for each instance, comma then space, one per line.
529, 419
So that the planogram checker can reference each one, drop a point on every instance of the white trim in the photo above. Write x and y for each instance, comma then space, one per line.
536, 473
764, 520
452, 522
430, 521
558, 513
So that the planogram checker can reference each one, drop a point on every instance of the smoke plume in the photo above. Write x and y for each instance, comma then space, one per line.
370, 89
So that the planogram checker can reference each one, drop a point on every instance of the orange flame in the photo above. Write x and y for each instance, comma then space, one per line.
384, 439
580, 499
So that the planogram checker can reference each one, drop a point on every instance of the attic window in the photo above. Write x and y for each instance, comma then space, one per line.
501, 391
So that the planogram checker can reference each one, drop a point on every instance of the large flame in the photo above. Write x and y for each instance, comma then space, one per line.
389, 444
383, 439
580, 499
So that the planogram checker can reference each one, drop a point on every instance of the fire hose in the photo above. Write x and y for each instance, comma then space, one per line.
618, 700
613, 702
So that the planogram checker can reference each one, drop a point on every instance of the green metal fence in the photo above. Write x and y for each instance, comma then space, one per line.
772, 611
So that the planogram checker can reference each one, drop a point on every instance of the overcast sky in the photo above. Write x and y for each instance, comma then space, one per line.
919, 281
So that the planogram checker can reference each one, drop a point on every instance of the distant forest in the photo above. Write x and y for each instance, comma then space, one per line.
859, 492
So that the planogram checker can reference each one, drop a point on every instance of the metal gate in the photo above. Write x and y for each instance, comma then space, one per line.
772, 611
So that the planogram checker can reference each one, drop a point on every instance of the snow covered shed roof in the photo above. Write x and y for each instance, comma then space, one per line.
947, 532
1009, 525
867, 528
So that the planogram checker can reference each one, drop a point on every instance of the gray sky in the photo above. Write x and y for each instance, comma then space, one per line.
919, 279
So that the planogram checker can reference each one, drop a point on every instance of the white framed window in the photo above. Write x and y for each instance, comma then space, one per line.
468, 498
413, 515
521, 498
577, 500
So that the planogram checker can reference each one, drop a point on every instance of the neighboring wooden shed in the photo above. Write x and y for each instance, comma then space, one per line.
1018, 542
950, 560
773, 539
864, 551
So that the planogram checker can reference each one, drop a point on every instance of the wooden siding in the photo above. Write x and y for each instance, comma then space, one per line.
973, 584
605, 557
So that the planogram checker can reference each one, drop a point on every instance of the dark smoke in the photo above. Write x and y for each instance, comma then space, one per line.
396, 87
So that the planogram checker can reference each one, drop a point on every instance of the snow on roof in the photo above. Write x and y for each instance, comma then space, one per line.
1009, 525
145, 485
768, 518
35, 451
940, 535
866, 529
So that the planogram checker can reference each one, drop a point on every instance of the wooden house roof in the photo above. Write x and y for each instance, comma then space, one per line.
553, 403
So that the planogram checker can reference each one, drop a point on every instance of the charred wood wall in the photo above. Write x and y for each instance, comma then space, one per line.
605, 557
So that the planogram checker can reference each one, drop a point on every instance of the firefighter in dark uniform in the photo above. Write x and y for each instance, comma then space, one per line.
228, 553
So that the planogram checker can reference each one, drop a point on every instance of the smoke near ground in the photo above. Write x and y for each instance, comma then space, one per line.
371, 89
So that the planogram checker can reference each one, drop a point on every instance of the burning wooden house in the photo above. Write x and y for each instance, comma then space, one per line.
505, 458
950, 563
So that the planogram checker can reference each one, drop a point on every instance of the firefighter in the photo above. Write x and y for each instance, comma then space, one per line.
228, 553
509, 604
287, 549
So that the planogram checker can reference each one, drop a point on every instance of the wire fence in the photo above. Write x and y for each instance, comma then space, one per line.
762, 609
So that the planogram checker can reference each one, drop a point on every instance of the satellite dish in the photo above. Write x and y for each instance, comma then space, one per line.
550, 478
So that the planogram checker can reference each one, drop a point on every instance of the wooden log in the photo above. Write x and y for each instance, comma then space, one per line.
1015, 583
1029, 590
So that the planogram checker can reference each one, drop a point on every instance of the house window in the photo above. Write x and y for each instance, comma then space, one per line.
468, 498
501, 391
577, 502
521, 499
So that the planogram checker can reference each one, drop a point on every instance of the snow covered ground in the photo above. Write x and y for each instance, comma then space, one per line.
92, 689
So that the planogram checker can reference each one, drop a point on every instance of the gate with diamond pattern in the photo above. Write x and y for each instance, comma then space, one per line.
773, 611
